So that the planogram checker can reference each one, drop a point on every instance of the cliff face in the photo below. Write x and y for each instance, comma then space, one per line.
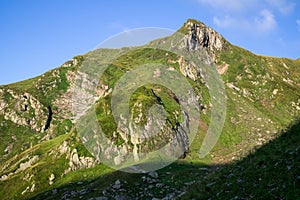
199, 36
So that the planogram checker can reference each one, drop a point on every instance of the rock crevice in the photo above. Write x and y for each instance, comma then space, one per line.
49, 118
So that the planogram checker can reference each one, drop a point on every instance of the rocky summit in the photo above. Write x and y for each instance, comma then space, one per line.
49, 150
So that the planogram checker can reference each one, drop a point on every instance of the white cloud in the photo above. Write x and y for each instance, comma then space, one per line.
254, 16
266, 22
284, 6
225, 22
262, 24
298, 23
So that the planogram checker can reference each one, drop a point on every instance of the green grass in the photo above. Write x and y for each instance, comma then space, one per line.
41, 170
46, 87
147, 95
270, 172
269, 73
62, 127
19, 137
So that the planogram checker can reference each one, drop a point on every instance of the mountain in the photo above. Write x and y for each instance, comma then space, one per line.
48, 149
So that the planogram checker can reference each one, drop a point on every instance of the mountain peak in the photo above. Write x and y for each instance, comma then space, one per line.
199, 36
195, 21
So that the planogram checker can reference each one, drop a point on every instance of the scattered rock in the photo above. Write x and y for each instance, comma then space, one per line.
54, 191
123, 197
153, 174
275, 91
100, 198
222, 69
230, 85
51, 179
117, 184
28, 164
189, 183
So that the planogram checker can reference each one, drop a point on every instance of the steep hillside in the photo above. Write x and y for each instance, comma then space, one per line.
43, 153
270, 172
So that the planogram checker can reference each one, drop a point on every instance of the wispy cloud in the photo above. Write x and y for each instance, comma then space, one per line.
263, 23
284, 6
266, 22
225, 22
298, 23
248, 15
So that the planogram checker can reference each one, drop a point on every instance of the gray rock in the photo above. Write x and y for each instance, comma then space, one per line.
159, 185
117, 184
153, 174
54, 191
203, 169
189, 183
101, 198
169, 196
28, 164
123, 197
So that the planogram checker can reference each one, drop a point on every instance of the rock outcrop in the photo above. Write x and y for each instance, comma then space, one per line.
199, 36
75, 161
23, 109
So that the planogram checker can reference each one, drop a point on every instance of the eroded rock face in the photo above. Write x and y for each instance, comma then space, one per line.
173, 141
23, 109
200, 36
64, 102
78, 100
75, 161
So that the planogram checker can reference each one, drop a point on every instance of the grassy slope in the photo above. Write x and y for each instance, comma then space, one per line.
241, 125
41, 170
254, 111
20, 137
271, 172
246, 68
46, 88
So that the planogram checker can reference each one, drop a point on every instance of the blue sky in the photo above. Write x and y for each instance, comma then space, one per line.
37, 36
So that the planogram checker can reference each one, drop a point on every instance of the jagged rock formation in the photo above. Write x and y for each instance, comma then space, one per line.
199, 36
75, 161
23, 109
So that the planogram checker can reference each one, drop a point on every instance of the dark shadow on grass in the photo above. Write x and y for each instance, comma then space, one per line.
270, 172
